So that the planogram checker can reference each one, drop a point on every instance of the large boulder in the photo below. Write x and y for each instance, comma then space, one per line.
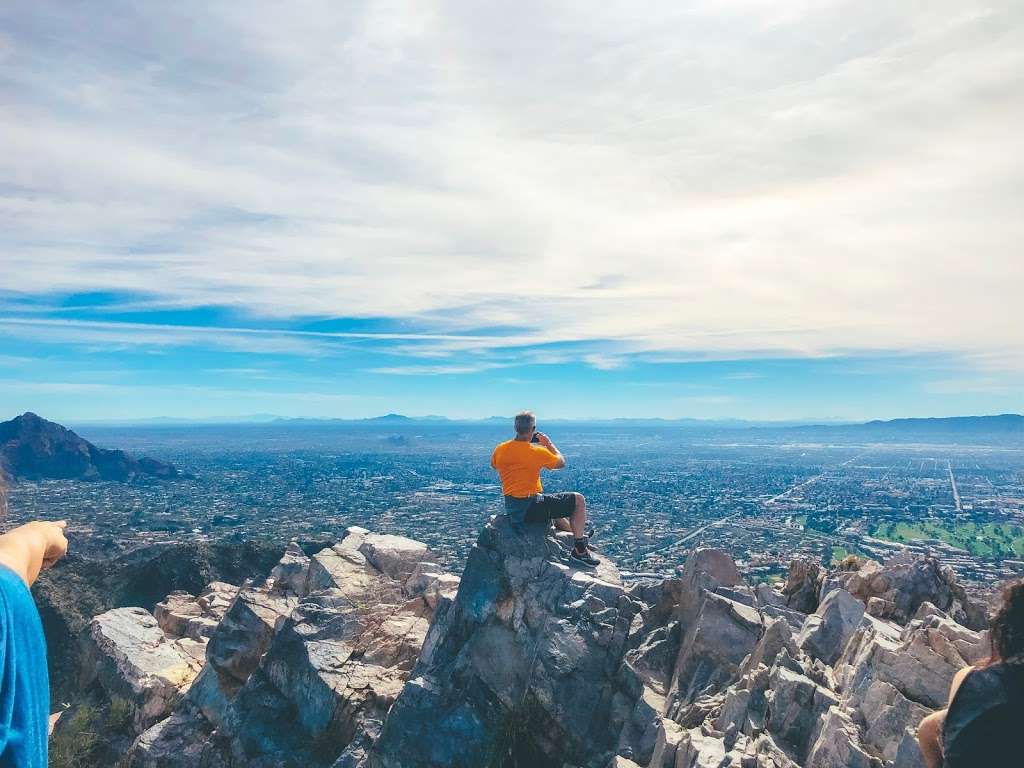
127, 653
803, 584
827, 631
522, 666
720, 637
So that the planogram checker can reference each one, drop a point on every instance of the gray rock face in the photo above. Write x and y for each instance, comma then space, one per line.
323, 645
796, 704
131, 658
896, 590
827, 631
803, 585
522, 666
721, 636
837, 745
369, 655
711, 673
182, 615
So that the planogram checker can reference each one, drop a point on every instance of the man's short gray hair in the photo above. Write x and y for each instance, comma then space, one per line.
525, 421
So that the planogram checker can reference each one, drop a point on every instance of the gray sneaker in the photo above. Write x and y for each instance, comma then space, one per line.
585, 559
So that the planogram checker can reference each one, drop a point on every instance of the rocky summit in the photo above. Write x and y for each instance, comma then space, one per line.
369, 655
33, 448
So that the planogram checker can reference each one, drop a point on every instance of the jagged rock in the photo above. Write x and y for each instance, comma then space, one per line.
887, 714
237, 645
721, 636
559, 634
795, 706
714, 563
374, 657
432, 583
394, 556
766, 595
183, 739
182, 615
127, 653
245, 631
896, 590
289, 575
827, 631
920, 664
323, 644
776, 637
803, 585
836, 744
700, 750
908, 753
669, 736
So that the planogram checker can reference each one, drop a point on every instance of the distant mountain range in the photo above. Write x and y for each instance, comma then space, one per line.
1007, 427
32, 448
955, 428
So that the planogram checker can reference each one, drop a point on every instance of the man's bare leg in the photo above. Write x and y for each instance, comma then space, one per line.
578, 521
562, 524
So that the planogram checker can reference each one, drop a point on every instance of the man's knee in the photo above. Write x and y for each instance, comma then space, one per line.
581, 502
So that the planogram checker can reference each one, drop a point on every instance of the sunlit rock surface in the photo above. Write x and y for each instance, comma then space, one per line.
369, 654
303, 667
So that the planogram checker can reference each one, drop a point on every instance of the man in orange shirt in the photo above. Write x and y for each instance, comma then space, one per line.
519, 462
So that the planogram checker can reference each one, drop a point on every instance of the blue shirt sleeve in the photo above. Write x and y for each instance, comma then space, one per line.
24, 682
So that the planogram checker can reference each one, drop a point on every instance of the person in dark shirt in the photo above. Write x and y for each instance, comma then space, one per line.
24, 682
986, 702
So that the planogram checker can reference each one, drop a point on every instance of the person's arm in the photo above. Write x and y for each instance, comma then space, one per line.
958, 680
29, 548
559, 459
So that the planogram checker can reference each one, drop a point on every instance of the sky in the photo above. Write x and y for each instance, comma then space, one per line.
726, 208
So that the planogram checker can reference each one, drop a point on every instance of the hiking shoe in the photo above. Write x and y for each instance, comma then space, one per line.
585, 559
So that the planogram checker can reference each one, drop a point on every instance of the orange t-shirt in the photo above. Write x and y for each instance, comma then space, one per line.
519, 463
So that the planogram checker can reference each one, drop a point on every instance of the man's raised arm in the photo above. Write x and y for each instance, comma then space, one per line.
545, 441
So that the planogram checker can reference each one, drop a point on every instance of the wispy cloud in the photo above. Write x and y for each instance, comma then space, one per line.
436, 370
743, 376
973, 385
690, 180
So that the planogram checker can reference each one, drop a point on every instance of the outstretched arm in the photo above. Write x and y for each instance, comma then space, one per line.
29, 548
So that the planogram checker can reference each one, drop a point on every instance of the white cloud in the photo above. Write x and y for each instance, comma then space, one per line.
704, 179
436, 370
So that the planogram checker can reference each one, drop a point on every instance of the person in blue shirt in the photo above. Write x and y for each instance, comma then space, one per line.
24, 682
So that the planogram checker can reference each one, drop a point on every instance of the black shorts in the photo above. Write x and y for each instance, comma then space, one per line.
541, 507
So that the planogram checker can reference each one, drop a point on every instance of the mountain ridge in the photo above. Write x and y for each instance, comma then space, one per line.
32, 448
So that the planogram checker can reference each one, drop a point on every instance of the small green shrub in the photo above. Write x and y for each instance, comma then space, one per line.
74, 743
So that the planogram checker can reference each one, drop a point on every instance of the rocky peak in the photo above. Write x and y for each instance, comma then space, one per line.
323, 643
375, 657
33, 448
